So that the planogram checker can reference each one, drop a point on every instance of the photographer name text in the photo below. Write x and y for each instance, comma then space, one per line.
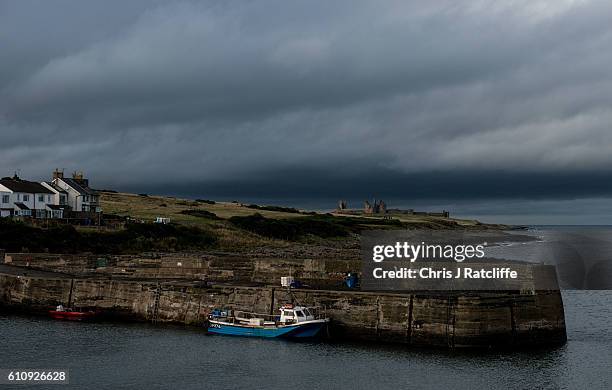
443, 273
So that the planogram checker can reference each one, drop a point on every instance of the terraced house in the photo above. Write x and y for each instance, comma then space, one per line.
61, 198
79, 196
59, 208
23, 198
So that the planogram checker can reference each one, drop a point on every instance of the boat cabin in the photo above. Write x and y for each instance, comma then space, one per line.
294, 314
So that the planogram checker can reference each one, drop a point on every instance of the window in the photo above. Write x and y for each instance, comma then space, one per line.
299, 313
62, 199
48, 198
288, 313
5, 198
26, 198
41, 198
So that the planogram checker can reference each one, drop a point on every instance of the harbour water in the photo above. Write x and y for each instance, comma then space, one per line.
140, 356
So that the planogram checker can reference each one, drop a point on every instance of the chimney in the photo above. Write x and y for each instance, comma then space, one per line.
57, 174
80, 178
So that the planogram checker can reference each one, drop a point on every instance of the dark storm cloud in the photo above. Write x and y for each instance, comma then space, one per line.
389, 184
312, 97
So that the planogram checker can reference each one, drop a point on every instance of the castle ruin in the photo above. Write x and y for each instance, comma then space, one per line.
379, 207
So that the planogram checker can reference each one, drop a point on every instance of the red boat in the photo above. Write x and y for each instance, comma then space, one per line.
61, 313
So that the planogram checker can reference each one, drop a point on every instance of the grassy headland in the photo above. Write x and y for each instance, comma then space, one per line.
208, 225
243, 227
185, 212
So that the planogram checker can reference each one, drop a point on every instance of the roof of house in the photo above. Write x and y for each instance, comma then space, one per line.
56, 187
21, 206
16, 184
83, 190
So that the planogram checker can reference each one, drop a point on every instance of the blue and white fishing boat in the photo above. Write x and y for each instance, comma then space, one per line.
297, 322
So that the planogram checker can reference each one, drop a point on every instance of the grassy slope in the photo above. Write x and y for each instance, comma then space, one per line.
233, 228
231, 238
150, 207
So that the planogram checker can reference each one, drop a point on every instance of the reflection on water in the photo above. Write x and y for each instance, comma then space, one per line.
110, 356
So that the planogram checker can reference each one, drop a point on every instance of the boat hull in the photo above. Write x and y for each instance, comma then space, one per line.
298, 331
71, 316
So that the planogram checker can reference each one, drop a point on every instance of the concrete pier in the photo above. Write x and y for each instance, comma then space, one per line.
449, 320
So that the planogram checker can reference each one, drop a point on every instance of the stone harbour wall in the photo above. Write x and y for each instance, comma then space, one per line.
467, 319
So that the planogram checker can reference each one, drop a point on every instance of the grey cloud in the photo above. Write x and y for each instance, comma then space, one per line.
141, 93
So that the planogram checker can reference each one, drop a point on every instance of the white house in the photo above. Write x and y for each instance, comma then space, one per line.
60, 197
6, 206
59, 208
79, 196
24, 198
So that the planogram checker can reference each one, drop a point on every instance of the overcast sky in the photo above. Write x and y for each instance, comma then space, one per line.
404, 99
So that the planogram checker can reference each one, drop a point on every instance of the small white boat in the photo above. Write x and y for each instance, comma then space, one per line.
294, 322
